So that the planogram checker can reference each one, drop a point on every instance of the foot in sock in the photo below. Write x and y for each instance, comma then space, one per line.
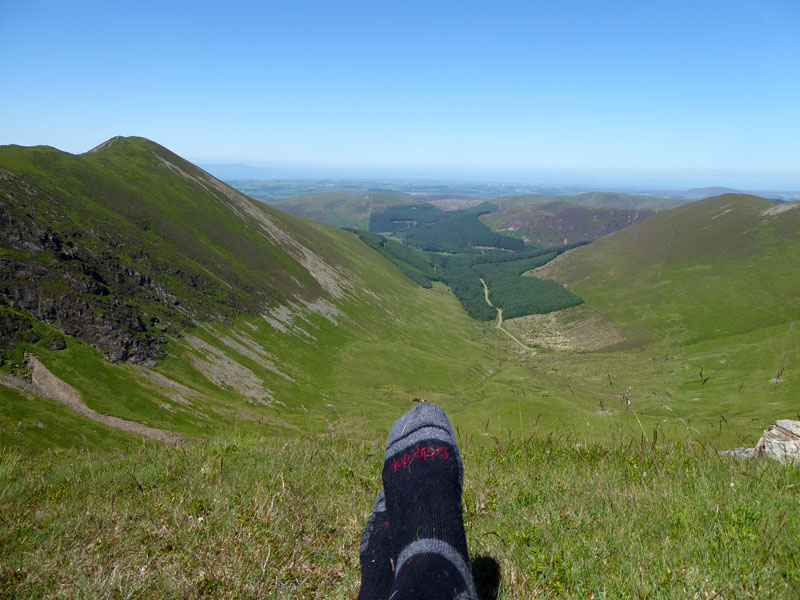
422, 480
375, 554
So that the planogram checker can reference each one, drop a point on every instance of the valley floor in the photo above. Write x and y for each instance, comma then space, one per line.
223, 379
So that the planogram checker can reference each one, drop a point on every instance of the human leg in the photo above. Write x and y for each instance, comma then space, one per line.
422, 478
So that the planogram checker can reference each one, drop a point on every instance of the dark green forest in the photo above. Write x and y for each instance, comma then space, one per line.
502, 271
396, 219
463, 233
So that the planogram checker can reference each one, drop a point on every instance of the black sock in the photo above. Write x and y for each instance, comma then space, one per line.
422, 479
375, 554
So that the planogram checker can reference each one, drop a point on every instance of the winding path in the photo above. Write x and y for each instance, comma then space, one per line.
500, 317
47, 384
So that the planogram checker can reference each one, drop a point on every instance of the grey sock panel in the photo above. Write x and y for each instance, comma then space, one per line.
378, 510
441, 550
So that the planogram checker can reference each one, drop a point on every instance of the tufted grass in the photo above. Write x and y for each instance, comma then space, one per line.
268, 518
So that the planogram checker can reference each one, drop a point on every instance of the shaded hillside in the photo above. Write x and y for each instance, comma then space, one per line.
592, 199
128, 244
718, 267
558, 223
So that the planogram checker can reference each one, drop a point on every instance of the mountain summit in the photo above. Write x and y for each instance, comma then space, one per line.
124, 245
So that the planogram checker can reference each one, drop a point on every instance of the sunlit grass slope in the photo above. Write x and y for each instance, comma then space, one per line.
718, 267
272, 322
266, 518
286, 326
715, 288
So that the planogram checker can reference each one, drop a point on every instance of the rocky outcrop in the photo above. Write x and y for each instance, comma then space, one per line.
780, 442
72, 283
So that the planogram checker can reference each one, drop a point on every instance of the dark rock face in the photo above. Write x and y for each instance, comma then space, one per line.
51, 274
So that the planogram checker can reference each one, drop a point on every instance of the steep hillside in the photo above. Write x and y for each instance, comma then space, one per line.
558, 223
593, 199
127, 244
718, 267
248, 314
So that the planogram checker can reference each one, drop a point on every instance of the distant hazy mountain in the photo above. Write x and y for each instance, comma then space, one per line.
707, 192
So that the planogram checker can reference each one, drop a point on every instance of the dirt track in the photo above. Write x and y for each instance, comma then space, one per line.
500, 317
49, 385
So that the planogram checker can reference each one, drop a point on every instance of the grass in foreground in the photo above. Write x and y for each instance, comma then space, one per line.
282, 519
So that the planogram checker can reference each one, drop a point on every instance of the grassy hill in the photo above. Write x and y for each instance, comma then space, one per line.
218, 311
714, 268
714, 284
131, 240
592, 199
558, 223
236, 312
158, 295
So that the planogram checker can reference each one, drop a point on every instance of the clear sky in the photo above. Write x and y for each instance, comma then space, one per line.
641, 89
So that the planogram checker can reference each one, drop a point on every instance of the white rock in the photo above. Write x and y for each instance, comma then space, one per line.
781, 442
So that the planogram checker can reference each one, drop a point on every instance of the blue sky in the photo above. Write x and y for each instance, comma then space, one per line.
702, 91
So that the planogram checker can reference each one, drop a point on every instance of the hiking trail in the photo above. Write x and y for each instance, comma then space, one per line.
500, 318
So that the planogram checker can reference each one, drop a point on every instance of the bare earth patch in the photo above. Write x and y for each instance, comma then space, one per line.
780, 208
448, 204
579, 328
49, 385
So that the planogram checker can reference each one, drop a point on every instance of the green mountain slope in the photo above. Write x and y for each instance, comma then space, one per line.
150, 297
128, 243
718, 267
593, 199
558, 223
